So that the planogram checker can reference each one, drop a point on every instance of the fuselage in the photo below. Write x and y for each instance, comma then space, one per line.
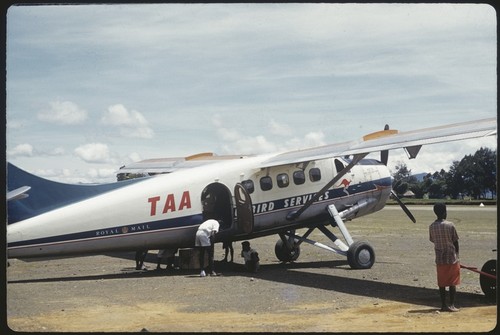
164, 211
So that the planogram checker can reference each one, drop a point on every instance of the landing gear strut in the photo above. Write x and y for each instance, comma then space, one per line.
360, 254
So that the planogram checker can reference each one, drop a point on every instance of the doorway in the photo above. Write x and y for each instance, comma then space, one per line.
217, 204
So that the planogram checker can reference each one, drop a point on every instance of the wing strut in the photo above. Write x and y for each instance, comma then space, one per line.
295, 214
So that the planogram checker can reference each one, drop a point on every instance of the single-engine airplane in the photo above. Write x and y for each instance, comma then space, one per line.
252, 196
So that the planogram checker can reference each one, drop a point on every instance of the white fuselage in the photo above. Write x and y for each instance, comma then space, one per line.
164, 211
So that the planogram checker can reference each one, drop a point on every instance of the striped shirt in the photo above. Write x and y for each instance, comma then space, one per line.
443, 234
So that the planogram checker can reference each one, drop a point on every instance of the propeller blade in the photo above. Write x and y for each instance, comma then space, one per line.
384, 157
384, 154
403, 206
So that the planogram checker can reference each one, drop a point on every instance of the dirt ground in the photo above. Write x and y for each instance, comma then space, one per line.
318, 293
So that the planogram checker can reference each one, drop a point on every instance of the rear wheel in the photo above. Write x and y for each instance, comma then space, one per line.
489, 285
360, 255
285, 254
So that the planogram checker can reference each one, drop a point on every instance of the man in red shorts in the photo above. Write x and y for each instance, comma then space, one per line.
445, 238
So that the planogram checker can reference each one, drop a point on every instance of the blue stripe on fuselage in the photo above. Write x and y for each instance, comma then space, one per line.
114, 231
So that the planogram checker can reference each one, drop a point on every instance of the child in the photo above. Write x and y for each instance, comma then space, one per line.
251, 257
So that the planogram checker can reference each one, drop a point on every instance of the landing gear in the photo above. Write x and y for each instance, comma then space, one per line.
360, 255
489, 284
286, 254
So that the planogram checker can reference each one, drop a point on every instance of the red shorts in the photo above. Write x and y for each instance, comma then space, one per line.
448, 274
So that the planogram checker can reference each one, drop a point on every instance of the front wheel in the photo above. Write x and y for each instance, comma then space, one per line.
360, 255
284, 254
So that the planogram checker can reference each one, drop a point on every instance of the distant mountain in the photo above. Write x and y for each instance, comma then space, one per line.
420, 176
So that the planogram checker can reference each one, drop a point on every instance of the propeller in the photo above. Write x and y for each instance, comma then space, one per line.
403, 206
384, 158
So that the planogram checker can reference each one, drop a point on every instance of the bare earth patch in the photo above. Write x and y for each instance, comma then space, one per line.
318, 293
389, 317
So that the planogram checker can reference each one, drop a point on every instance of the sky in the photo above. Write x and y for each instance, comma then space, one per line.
93, 87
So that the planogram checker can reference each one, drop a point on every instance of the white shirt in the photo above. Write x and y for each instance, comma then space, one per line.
247, 254
204, 231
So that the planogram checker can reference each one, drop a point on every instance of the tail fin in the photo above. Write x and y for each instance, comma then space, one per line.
45, 195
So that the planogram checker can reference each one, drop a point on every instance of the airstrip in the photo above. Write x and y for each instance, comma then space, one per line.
318, 293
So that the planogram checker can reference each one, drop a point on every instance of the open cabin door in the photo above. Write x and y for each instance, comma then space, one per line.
244, 210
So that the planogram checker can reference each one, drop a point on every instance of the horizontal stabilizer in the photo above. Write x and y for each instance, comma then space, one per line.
18, 193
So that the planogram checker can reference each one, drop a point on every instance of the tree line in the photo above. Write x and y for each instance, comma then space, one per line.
472, 177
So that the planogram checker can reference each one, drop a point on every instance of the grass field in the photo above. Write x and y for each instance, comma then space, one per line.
410, 201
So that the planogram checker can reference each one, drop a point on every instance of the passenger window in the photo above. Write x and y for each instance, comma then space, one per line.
299, 177
283, 180
315, 174
248, 185
266, 183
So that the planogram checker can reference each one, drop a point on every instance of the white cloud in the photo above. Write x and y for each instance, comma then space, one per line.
278, 128
94, 153
134, 157
131, 123
59, 151
314, 138
24, 149
236, 142
103, 173
15, 124
64, 113
77, 176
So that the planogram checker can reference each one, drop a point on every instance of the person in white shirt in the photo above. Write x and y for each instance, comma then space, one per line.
205, 243
251, 257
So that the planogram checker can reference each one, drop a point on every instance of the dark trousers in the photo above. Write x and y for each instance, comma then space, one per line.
210, 251
252, 266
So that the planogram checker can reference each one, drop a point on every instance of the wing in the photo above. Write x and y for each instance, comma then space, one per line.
390, 139
169, 165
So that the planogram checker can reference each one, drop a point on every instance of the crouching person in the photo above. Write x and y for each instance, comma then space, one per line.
251, 257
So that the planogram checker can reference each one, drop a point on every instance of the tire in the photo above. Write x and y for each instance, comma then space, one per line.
360, 255
284, 254
489, 285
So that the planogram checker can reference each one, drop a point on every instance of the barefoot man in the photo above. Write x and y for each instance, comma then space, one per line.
445, 238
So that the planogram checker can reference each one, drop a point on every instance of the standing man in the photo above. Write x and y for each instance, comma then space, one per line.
445, 238
228, 250
140, 256
205, 243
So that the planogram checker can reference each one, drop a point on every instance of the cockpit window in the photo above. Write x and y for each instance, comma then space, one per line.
339, 165
248, 185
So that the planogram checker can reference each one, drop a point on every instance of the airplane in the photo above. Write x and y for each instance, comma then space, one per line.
251, 195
